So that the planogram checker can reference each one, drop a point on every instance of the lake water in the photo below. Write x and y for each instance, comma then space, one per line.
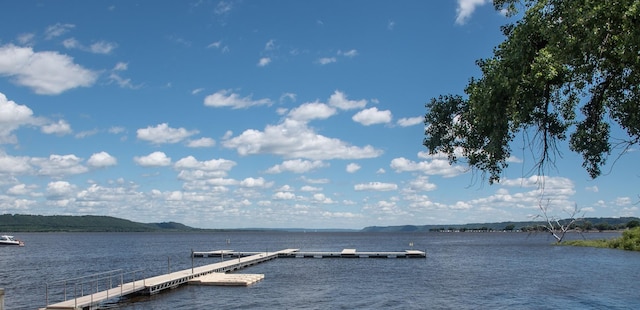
462, 271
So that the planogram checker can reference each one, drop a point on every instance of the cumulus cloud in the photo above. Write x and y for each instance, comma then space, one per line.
310, 111
20, 190
12, 116
376, 186
102, 159
421, 184
432, 167
155, 159
255, 182
162, 133
46, 73
466, 8
297, 166
339, 100
59, 128
293, 139
60, 190
13, 165
353, 167
372, 116
191, 162
226, 98
59, 165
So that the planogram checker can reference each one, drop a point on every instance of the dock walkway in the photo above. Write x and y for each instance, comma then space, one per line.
156, 284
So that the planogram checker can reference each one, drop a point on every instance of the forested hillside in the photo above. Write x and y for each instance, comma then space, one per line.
88, 223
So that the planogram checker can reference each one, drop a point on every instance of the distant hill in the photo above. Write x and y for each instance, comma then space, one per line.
85, 223
593, 223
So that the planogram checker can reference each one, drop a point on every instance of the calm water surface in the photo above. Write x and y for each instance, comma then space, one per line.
462, 271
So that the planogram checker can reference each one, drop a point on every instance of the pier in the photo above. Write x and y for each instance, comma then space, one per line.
152, 285
346, 253
212, 274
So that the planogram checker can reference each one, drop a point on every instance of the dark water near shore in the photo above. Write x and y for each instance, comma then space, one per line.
462, 271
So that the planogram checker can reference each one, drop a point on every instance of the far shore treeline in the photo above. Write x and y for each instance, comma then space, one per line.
93, 223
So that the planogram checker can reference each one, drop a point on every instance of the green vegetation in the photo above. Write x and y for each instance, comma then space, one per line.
585, 224
567, 70
630, 241
86, 223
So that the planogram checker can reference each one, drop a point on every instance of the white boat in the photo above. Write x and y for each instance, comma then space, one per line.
10, 240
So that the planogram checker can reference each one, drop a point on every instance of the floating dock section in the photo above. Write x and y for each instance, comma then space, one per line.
226, 279
346, 253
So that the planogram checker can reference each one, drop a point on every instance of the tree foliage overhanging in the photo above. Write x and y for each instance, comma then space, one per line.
567, 69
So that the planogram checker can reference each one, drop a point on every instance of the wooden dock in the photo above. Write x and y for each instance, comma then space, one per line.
156, 284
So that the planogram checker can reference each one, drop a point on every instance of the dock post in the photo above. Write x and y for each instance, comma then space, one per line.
1, 299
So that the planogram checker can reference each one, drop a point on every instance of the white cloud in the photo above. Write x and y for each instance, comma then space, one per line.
376, 186
255, 182
271, 45
310, 111
155, 159
202, 142
349, 53
46, 73
162, 133
57, 30
284, 196
339, 100
293, 139
20, 190
59, 165
353, 167
226, 98
191, 162
102, 159
466, 8
410, 121
372, 116
297, 166
116, 130
593, 189
433, 167
60, 190
421, 184
59, 128
264, 61
102, 47
26, 39
623, 201
14, 165
12, 116
326, 60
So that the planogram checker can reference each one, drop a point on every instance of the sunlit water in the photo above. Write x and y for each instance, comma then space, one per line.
462, 271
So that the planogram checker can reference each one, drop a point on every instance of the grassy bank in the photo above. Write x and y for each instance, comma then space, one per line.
630, 241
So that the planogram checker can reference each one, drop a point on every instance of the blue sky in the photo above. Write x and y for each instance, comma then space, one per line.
232, 114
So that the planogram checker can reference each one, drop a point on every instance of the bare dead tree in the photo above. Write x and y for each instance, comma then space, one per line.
558, 227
